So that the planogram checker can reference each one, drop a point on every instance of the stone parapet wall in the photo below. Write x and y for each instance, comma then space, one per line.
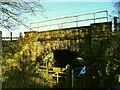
68, 33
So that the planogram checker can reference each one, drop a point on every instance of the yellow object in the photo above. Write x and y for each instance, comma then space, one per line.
56, 69
119, 78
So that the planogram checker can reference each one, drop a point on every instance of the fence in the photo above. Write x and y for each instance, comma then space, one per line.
70, 21
9, 38
55, 71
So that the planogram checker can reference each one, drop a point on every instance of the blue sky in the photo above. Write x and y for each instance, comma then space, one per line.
61, 9
58, 9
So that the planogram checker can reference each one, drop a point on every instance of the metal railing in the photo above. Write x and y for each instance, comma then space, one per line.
60, 23
9, 38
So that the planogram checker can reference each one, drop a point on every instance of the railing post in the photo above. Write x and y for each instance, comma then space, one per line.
94, 17
76, 21
20, 35
107, 15
11, 36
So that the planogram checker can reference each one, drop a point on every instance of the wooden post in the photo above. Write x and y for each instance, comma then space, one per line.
68, 76
11, 36
20, 35
116, 23
57, 77
72, 78
47, 71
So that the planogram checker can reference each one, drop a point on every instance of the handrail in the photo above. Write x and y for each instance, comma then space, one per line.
94, 18
9, 38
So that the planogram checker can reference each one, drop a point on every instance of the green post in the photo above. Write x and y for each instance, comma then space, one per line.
118, 77
68, 76
57, 77
72, 78
47, 71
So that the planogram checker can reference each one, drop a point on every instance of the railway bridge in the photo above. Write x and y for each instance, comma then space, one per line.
71, 41
67, 40
62, 47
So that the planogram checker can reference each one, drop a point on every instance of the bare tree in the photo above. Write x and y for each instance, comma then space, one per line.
117, 6
12, 12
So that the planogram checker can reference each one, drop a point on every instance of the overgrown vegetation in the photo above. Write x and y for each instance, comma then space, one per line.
19, 67
20, 73
111, 60
107, 63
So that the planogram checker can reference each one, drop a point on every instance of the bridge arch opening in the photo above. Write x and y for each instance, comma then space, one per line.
64, 57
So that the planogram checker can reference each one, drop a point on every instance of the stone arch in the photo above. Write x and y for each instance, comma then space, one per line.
67, 57
50, 46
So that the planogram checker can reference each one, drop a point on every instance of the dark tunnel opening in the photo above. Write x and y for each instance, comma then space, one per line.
64, 57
